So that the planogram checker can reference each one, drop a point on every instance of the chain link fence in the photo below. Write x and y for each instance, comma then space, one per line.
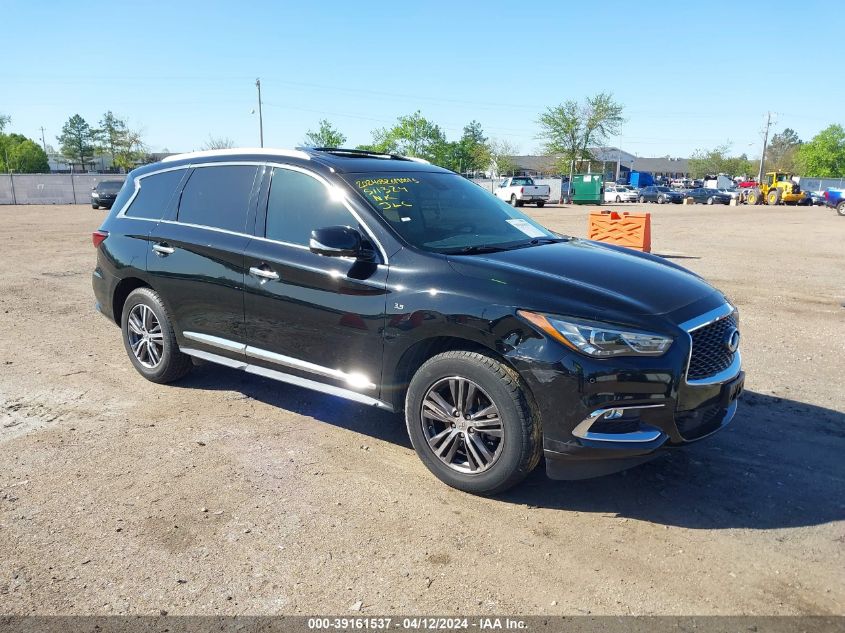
50, 188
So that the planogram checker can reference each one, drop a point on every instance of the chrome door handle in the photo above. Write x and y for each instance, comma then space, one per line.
162, 249
263, 274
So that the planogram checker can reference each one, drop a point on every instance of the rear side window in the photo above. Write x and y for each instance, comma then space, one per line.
154, 194
298, 204
218, 197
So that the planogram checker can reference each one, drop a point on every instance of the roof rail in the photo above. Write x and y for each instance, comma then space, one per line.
342, 151
208, 153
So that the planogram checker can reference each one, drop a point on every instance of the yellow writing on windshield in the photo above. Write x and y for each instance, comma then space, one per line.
363, 184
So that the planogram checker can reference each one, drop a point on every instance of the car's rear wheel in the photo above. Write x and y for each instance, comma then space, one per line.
840, 208
95, 206
541, 204
660, 200
471, 422
710, 200
642, 199
514, 201
149, 338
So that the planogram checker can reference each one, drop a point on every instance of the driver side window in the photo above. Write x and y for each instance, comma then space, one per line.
298, 204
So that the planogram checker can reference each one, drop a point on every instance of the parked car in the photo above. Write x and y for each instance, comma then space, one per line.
660, 195
521, 189
733, 192
708, 196
619, 193
835, 199
104, 193
397, 284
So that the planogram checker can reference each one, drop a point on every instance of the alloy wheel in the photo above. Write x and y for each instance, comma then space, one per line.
145, 336
462, 425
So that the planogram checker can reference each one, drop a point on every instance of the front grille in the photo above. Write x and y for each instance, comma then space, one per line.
699, 422
709, 353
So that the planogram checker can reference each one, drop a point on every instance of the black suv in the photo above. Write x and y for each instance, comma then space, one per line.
398, 284
104, 193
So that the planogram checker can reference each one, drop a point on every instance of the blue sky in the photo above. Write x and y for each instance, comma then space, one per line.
181, 71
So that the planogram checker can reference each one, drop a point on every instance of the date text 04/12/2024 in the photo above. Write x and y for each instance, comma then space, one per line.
415, 623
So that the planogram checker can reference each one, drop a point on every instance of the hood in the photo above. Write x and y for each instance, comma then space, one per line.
588, 279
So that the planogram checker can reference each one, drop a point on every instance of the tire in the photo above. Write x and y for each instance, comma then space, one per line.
95, 206
514, 201
618, 199
773, 197
512, 455
168, 364
541, 204
754, 197
710, 200
642, 199
660, 200
840, 208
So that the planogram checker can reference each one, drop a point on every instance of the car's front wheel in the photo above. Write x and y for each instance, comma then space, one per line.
149, 338
840, 208
471, 422
642, 199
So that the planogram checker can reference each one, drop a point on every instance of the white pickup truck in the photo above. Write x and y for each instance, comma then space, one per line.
521, 189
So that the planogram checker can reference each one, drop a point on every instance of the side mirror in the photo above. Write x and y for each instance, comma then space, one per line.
336, 241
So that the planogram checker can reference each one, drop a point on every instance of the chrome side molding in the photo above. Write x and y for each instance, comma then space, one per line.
348, 394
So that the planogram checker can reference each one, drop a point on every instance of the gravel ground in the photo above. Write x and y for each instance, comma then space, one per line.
230, 494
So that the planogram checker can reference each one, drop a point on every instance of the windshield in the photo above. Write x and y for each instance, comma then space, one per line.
663, 189
446, 213
522, 181
110, 185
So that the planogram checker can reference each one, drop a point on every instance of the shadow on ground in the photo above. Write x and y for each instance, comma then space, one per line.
778, 465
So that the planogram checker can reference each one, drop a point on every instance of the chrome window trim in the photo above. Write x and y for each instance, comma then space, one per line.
287, 378
582, 431
703, 320
273, 357
136, 182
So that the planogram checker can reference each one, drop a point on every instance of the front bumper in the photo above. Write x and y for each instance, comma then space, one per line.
601, 416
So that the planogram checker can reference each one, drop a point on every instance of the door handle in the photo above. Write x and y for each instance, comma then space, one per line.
264, 274
162, 249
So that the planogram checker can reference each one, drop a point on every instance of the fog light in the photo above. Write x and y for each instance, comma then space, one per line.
613, 414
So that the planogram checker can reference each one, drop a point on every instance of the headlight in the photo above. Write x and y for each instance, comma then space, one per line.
598, 339
95, 194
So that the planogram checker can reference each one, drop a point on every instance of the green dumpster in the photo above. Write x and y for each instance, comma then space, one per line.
587, 188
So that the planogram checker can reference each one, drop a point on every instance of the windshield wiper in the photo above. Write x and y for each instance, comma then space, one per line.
474, 250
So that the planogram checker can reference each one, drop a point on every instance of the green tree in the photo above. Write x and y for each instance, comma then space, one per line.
473, 149
78, 140
412, 135
824, 154
571, 128
5, 119
22, 155
502, 162
782, 150
718, 161
326, 136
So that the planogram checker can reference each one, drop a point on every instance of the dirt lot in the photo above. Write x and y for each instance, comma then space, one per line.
232, 494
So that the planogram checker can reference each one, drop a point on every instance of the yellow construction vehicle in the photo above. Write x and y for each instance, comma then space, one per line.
777, 188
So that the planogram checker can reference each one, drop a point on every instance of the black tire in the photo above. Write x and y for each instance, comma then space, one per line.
660, 200
172, 364
514, 201
618, 199
773, 197
840, 208
642, 199
541, 204
521, 441
95, 206
710, 200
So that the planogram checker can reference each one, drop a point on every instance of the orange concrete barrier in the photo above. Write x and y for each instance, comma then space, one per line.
632, 230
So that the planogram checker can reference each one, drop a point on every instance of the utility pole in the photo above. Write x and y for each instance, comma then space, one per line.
260, 116
765, 144
43, 142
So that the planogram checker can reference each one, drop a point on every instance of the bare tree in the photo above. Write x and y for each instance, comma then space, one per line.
219, 142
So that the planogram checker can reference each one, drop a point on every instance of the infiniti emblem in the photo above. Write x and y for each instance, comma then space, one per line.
732, 340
